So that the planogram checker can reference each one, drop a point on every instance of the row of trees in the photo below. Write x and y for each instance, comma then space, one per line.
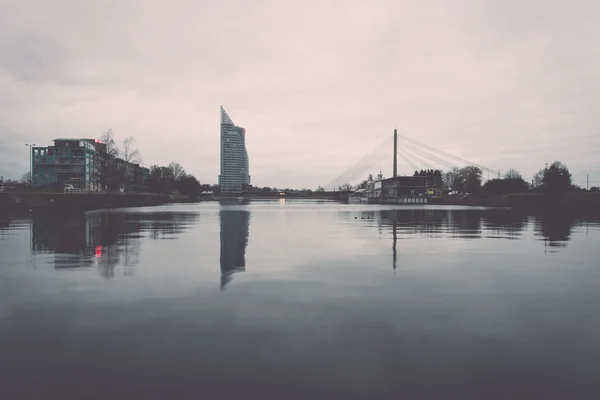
173, 179
555, 178
267, 189
163, 179
127, 152
463, 180
437, 178
115, 172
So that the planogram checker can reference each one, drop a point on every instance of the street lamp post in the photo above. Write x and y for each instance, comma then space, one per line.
587, 182
30, 163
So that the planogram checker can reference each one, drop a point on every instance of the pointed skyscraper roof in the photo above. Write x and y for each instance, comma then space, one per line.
225, 120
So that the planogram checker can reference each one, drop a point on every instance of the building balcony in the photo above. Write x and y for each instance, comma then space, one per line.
69, 170
40, 161
70, 162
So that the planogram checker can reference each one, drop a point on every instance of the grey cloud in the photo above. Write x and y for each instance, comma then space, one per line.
31, 58
317, 85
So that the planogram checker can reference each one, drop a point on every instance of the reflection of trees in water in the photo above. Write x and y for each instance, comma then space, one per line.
555, 228
413, 221
4, 226
101, 238
466, 223
163, 225
429, 223
235, 229
506, 224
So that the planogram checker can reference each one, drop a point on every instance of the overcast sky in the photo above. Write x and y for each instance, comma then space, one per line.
317, 84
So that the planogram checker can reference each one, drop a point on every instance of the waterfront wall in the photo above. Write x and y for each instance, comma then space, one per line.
403, 200
275, 195
17, 200
578, 201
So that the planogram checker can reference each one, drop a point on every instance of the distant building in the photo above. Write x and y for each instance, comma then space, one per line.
395, 190
83, 163
235, 170
374, 187
70, 161
404, 186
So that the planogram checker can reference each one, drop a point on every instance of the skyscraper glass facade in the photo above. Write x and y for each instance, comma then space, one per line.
235, 172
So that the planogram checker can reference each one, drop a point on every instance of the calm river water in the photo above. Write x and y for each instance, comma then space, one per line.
299, 300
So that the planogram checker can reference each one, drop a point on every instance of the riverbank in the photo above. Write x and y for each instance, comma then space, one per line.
574, 202
329, 195
16, 201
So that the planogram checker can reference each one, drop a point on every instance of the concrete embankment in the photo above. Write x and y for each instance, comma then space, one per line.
22, 201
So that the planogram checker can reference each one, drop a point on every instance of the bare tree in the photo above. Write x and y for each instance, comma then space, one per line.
108, 138
130, 153
177, 171
26, 178
538, 178
452, 179
346, 187
512, 174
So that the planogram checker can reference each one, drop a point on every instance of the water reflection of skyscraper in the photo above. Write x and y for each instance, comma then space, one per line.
235, 229
102, 238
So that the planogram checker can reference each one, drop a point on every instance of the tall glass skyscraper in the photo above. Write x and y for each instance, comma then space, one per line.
235, 172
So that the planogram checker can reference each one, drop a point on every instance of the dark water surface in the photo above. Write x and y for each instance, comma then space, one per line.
299, 300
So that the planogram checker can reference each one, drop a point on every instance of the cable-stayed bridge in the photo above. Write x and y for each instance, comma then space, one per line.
415, 154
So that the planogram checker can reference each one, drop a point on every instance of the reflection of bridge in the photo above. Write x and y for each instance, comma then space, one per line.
414, 154
554, 229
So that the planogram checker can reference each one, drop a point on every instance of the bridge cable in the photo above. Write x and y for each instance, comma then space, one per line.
362, 165
430, 156
418, 159
434, 150
408, 160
